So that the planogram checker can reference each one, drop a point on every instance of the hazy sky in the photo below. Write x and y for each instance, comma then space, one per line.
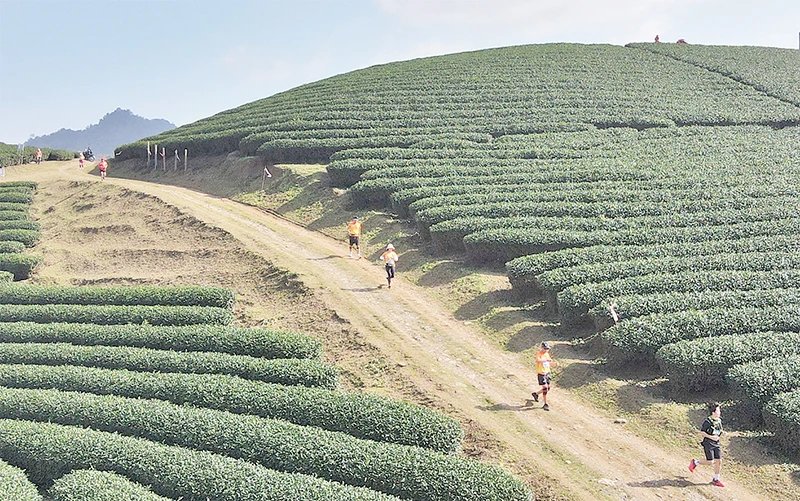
66, 63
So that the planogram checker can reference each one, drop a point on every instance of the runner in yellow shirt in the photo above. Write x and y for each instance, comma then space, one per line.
354, 235
543, 364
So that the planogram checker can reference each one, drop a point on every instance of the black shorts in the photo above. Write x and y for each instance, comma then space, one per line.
713, 451
353, 240
544, 379
389, 271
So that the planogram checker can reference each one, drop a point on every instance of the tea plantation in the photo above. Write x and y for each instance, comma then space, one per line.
150, 393
649, 192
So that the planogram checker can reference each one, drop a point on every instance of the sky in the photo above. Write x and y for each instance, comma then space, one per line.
67, 63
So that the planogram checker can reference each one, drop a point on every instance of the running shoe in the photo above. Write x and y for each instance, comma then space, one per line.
692, 465
717, 483
535, 396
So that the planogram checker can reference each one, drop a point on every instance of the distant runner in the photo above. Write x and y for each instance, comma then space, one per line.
543, 364
711, 430
102, 167
81, 158
390, 257
38, 155
354, 235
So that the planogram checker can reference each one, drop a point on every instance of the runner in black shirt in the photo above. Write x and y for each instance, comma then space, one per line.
711, 430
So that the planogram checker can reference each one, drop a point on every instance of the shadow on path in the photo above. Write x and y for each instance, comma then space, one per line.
527, 406
667, 482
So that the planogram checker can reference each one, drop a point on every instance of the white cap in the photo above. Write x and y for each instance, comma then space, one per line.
390, 246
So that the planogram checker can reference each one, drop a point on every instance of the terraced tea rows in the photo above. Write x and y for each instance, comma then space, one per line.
649, 188
153, 387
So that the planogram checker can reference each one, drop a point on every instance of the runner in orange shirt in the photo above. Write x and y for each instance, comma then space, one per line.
543, 364
354, 235
390, 258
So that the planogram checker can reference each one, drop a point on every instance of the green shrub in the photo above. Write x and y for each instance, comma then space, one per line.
27, 237
256, 342
19, 224
48, 451
697, 364
141, 295
404, 471
114, 314
290, 372
94, 485
641, 337
761, 380
782, 416
6, 277
360, 415
15, 486
16, 196
11, 247
20, 265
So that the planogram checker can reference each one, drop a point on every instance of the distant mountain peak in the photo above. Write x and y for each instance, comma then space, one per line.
119, 127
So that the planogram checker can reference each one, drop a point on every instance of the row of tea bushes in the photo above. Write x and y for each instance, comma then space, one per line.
361, 415
138, 295
255, 342
404, 471
94, 485
48, 451
291, 371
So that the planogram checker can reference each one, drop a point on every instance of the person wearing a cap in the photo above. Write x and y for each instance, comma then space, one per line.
390, 258
543, 364
354, 235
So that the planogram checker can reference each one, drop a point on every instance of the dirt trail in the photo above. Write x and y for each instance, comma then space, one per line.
580, 448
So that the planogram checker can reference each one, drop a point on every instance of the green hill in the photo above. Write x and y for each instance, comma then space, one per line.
482, 95
649, 191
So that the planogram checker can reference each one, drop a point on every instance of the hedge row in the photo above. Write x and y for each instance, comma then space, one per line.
559, 279
639, 305
697, 364
613, 198
48, 451
293, 371
20, 265
22, 184
450, 234
21, 209
761, 380
114, 314
94, 485
523, 270
576, 301
26, 237
613, 209
21, 196
15, 486
19, 224
782, 416
13, 215
140, 295
641, 337
6, 277
11, 247
256, 342
377, 191
504, 244
406, 472
360, 415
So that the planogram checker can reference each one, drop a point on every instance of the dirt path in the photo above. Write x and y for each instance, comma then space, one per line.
579, 448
